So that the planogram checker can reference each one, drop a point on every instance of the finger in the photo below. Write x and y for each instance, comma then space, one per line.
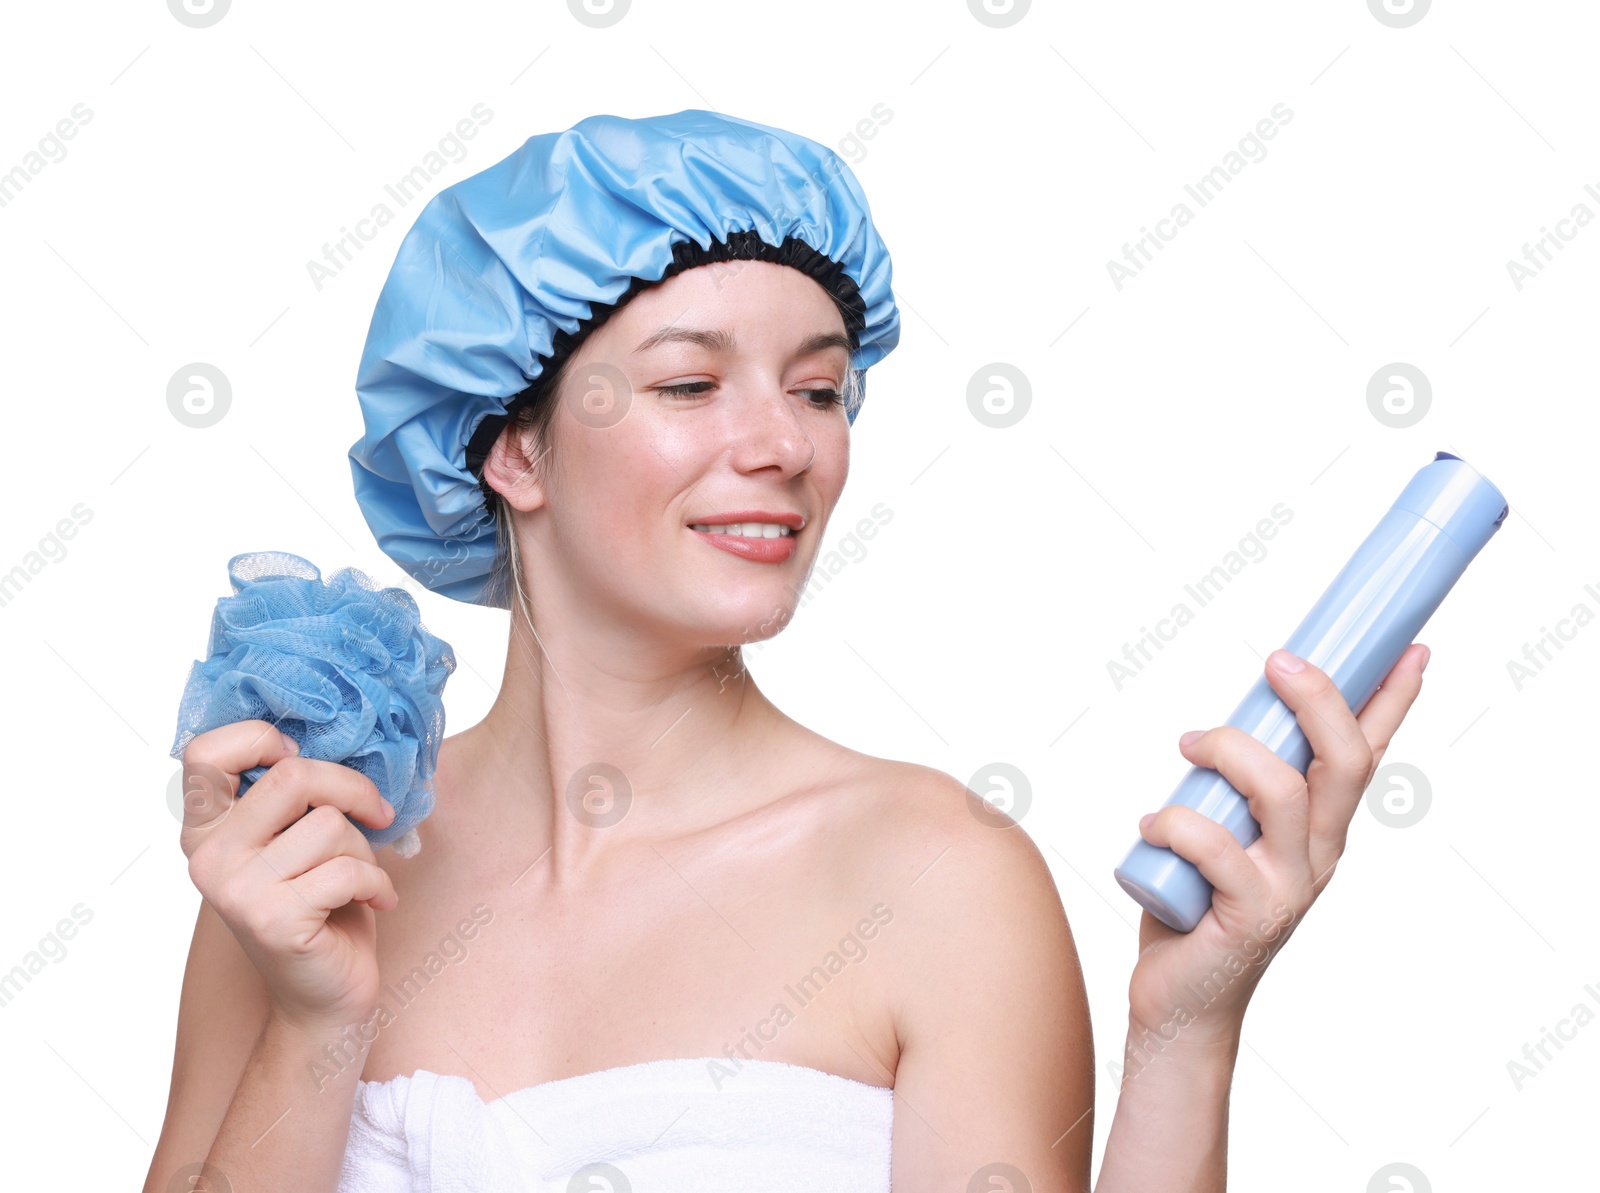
344, 879
1331, 812
212, 764
1276, 792
296, 784
1215, 852
1341, 757
1322, 711
236, 747
1389, 704
321, 834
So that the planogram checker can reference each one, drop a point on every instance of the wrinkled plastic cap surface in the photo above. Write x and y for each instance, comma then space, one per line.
501, 264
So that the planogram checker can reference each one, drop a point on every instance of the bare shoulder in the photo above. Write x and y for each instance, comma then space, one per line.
982, 981
965, 884
926, 832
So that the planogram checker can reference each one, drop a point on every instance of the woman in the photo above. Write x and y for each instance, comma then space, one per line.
692, 943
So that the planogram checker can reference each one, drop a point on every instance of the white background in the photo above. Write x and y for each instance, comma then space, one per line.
1229, 375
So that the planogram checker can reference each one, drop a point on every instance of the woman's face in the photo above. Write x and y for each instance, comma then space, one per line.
712, 398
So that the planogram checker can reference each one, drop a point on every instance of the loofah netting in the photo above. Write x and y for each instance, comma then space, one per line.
343, 667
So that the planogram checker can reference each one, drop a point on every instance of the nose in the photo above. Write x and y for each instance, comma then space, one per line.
768, 432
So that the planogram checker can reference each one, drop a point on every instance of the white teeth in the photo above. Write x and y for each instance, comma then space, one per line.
749, 530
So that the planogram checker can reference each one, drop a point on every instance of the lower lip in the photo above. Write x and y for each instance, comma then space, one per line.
761, 550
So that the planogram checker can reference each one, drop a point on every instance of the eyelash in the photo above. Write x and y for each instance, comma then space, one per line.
687, 389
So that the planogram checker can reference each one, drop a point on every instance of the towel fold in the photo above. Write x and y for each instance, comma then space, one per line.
661, 1126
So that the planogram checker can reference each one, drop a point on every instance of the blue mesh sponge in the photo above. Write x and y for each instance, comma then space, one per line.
506, 270
343, 667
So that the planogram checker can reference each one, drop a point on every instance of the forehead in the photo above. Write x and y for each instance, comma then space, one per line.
731, 294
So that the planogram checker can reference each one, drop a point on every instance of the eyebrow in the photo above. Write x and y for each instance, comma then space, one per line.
717, 340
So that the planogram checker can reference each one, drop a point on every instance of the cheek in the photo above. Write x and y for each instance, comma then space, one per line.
619, 483
832, 464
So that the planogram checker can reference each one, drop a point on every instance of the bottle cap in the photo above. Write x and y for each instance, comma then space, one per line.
1456, 498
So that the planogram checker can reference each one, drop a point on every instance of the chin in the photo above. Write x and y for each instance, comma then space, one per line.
746, 621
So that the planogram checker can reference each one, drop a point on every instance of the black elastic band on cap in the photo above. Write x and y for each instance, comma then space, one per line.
687, 254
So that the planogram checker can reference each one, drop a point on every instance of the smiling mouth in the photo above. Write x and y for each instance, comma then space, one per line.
751, 530
754, 542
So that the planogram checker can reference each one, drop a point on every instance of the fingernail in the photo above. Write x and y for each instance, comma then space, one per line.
1144, 821
289, 743
1188, 739
1284, 661
1426, 655
387, 806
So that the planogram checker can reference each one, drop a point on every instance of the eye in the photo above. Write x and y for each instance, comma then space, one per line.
822, 399
685, 389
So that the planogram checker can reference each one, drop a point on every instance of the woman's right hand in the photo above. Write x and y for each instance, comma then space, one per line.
298, 888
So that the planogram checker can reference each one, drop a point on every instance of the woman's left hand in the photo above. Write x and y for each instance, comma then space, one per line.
1196, 985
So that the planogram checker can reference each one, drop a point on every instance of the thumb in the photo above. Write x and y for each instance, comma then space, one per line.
214, 760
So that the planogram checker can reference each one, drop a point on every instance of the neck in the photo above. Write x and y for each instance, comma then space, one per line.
617, 738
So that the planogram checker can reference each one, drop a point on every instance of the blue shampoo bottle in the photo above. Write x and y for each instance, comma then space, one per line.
1372, 611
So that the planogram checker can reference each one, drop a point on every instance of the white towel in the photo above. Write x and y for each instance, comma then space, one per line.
658, 1127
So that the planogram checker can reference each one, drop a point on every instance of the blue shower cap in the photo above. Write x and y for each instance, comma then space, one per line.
505, 272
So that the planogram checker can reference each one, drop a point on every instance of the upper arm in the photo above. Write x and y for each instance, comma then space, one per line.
996, 1055
221, 1012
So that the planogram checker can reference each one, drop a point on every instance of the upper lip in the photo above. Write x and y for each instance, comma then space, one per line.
792, 521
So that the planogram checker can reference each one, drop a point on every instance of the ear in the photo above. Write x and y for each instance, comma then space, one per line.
514, 469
